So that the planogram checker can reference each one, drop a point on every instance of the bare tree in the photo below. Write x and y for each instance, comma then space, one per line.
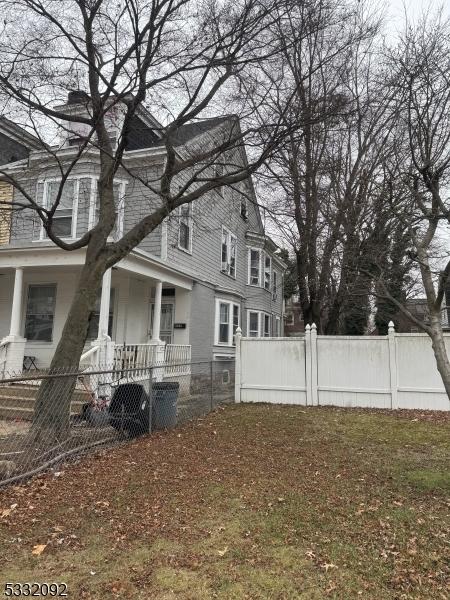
326, 180
180, 58
420, 170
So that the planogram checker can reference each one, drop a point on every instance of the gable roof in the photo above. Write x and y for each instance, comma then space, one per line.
19, 134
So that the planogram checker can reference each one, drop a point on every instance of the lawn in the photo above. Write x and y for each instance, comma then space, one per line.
251, 502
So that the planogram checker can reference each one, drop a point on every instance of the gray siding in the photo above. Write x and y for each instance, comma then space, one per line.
202, 321
210, 213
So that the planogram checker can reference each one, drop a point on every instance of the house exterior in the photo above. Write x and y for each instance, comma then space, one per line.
179, 296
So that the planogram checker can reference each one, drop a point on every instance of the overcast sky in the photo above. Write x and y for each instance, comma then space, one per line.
414, 8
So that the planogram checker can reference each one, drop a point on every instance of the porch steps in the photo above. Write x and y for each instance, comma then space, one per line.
17, 401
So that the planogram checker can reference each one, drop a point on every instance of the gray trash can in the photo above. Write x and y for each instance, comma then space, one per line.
164, 404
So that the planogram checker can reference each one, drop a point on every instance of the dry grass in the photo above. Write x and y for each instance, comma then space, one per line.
252, 502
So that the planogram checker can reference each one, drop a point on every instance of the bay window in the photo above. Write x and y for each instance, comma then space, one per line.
228, 253
258, 324
63, 223
40, 313
118, 193
274, 285
253, 324
227, 322
254, 266
267, 271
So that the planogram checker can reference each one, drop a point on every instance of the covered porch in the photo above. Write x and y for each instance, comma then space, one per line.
141, 318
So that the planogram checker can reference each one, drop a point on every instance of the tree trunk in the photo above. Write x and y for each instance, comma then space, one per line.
52, 409
440, 351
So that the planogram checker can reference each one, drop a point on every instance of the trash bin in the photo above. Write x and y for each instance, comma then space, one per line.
164, 405
129, 409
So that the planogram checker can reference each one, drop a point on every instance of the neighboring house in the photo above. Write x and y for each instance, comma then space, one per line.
15, 144
208, 269
293, 317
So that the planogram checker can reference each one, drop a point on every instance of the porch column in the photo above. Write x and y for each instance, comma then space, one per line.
12, 350
103, 320
157, 313
16, 312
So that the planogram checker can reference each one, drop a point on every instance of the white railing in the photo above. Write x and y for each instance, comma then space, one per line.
134, 356
90, 358
134, 360
177, 359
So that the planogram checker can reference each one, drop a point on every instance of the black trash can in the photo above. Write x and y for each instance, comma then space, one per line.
130, 409
164, 405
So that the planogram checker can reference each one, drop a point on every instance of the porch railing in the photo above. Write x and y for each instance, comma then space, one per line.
132, 356
137, 357
177, 358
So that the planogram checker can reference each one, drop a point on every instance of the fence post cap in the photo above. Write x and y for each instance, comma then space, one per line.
391, 326
238, 331
308, 327
313, 327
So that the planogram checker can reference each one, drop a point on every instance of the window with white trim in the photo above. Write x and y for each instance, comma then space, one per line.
274, 285
254, 266
64, 220
185, 227
267, 271
40, 312
227, 322
253, 323
258, 324
228, 253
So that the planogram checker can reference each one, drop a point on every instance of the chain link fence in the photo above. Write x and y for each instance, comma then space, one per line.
46, 418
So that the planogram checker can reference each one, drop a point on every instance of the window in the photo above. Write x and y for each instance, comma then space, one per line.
253, 324
224, 323
267, 271
119, 193
228, 253
227, 322
274, 285
63, 221
258, 324
244, 210
185, 228
266, 332
40, 313
95, 317
254, 261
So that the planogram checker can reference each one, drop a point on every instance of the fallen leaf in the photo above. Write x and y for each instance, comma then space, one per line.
38, 549
222, 552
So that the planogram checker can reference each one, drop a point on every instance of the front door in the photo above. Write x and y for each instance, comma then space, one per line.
166, 323
166, 328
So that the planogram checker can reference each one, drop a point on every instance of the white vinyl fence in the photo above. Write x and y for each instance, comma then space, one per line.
393, 371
